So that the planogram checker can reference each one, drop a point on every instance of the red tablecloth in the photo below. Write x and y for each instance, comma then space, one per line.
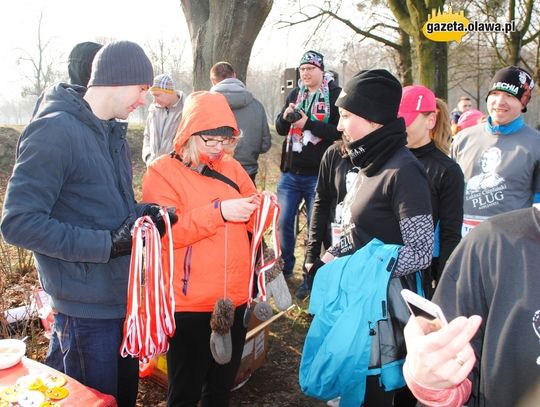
79, 394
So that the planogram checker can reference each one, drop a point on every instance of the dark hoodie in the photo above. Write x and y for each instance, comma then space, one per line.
72, 185
251, 119
80, 62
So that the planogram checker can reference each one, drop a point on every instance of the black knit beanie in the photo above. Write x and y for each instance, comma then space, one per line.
121, 63
80, 62
515, 81
373, 95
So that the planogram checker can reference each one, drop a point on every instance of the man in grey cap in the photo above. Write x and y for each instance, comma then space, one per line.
70, 200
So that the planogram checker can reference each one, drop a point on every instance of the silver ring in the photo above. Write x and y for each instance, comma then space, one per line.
458, 359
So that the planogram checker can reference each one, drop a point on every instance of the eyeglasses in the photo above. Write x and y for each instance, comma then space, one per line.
212, 142
307, 68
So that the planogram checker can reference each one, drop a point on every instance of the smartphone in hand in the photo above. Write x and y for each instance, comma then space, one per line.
424, 309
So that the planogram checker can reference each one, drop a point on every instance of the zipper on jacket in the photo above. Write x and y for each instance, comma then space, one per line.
187, 269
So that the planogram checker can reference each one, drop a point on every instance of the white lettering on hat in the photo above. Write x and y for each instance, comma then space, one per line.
419, 102
507, 87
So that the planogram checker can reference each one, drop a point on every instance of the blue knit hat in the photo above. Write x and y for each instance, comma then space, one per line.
121, 63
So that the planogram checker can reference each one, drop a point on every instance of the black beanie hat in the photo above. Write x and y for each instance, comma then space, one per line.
374, 95
121, 63
515, 81
80, 62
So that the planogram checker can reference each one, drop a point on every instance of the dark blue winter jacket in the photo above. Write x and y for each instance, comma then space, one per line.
71, 185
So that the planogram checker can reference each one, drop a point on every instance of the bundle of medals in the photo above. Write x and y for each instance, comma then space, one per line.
265, 216
35, 390
150, 310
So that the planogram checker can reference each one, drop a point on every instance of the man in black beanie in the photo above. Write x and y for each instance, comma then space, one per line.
70, 200
504, 148
308, 120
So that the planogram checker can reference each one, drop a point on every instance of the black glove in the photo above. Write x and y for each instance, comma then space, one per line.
153, 210
317, 264
121, 239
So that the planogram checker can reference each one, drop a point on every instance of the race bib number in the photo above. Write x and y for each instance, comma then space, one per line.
336, 232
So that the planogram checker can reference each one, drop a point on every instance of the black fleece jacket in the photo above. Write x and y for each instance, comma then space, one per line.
447, 185
331, 190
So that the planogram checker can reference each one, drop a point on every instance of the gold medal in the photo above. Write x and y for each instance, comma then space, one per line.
10, 394
57, 393
29, 382
52, 380
30, 398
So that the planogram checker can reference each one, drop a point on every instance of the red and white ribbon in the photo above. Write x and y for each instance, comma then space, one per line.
150, 309
265, 216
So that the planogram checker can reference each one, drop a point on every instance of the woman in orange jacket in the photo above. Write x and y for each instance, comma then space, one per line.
211, 247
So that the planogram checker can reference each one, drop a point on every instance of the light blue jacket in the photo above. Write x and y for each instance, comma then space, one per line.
71, 185
349, 297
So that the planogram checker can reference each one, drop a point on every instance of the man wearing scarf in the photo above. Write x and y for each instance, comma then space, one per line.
500, 158
309, 121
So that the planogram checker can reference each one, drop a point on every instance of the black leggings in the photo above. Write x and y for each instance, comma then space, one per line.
192, 371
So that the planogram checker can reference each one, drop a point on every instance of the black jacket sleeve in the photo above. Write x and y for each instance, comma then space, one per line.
323, 207
450, 213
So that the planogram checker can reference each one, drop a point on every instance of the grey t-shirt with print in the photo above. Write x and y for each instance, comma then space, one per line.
501, 171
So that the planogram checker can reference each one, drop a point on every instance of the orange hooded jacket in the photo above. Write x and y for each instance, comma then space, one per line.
211, 256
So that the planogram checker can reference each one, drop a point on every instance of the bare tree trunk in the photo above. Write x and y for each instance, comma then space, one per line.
432, 56
223, 31
405, 59
433, 65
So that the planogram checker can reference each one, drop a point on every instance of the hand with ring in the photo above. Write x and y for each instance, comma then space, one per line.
443, 358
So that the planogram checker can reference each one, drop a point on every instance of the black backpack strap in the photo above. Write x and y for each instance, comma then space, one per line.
209, 172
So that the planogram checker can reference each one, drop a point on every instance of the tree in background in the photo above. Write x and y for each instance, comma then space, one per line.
474, 61
223, 30
408, 19
520, 47
432, 57
43, 67
471, 66
382, 29
168, 56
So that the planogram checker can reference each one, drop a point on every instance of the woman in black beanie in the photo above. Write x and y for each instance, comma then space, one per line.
390, 201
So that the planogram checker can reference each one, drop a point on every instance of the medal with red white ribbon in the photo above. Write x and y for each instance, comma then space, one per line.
266, 216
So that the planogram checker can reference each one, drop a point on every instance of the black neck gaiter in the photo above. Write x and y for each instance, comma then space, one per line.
373, 151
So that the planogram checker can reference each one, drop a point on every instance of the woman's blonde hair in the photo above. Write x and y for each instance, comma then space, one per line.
441, 133
190, 154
